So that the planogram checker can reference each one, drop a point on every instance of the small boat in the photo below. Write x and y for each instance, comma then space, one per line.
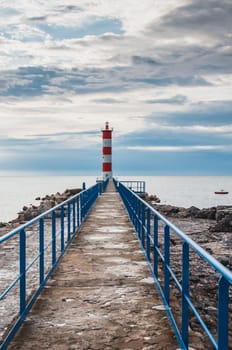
221, 192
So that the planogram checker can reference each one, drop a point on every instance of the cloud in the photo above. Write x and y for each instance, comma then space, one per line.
205, 114
145, 60
178, 99
36, 81
70, 133
197, 19
181, 81
180, 148
37, 19
108, 100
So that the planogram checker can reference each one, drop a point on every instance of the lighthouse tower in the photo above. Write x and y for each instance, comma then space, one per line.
107, 152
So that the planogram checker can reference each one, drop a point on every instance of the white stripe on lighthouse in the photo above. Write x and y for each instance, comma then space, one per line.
107, 158
107, 142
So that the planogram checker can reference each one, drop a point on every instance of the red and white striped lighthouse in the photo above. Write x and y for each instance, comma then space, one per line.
107, 152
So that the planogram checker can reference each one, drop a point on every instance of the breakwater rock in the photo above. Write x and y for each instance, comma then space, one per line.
221, 216
49, 201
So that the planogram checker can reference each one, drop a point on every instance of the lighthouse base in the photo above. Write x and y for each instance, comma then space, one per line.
107, 175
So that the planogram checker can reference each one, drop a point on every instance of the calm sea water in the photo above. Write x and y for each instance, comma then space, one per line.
17, 191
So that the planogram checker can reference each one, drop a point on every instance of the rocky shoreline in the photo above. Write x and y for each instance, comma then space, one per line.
221, 216
29, 212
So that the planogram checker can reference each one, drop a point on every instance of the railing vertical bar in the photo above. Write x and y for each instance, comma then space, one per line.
69, 221
148, 234
81, 206
166, 262
73, 216
22, 267
185, 293
155, 268
62, 229
143, 225
136, 214
223, 314
53, 238
139, 218
78, 211
41, 250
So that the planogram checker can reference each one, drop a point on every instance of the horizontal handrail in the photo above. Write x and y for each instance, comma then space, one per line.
40, 216
51, 244
196, 247
141, 214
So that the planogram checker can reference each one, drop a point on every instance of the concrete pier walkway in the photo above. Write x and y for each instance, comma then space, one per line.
101, 296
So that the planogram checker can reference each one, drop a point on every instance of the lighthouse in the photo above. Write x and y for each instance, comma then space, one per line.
107, 152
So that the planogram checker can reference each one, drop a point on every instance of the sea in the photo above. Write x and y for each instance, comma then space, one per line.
184, 191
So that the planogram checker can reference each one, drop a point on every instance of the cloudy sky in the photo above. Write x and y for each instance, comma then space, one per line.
159, 71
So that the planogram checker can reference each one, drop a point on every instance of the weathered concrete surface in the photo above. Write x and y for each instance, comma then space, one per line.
102, 295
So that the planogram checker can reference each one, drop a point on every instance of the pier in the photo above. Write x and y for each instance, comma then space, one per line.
102, 295
106, 279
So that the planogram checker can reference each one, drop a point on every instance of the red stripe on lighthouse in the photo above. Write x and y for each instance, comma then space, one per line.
107, 167
106, 134
106, 150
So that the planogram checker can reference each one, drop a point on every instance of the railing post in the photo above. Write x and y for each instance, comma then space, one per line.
148, 234
76, 208
78, 211
155, 245
223, 313
143, 225
185, 292
53, 238
81, 206
22, 268
41, 250
62, 229
73, 216
100, 189
139, 222
166, 262
136, 216
69, 221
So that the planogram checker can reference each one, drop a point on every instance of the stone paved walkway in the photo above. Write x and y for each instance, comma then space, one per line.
101, 295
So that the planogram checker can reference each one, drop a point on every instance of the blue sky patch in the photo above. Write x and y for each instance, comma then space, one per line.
95, 27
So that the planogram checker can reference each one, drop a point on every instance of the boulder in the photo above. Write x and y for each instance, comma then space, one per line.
207, 213
193, 211
223, 225
72, 191
166, 209
222, 211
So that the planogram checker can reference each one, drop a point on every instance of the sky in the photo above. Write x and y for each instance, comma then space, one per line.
160, 72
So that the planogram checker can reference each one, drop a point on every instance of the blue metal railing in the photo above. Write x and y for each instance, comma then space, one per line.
158, 249
136, 186
53, 231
